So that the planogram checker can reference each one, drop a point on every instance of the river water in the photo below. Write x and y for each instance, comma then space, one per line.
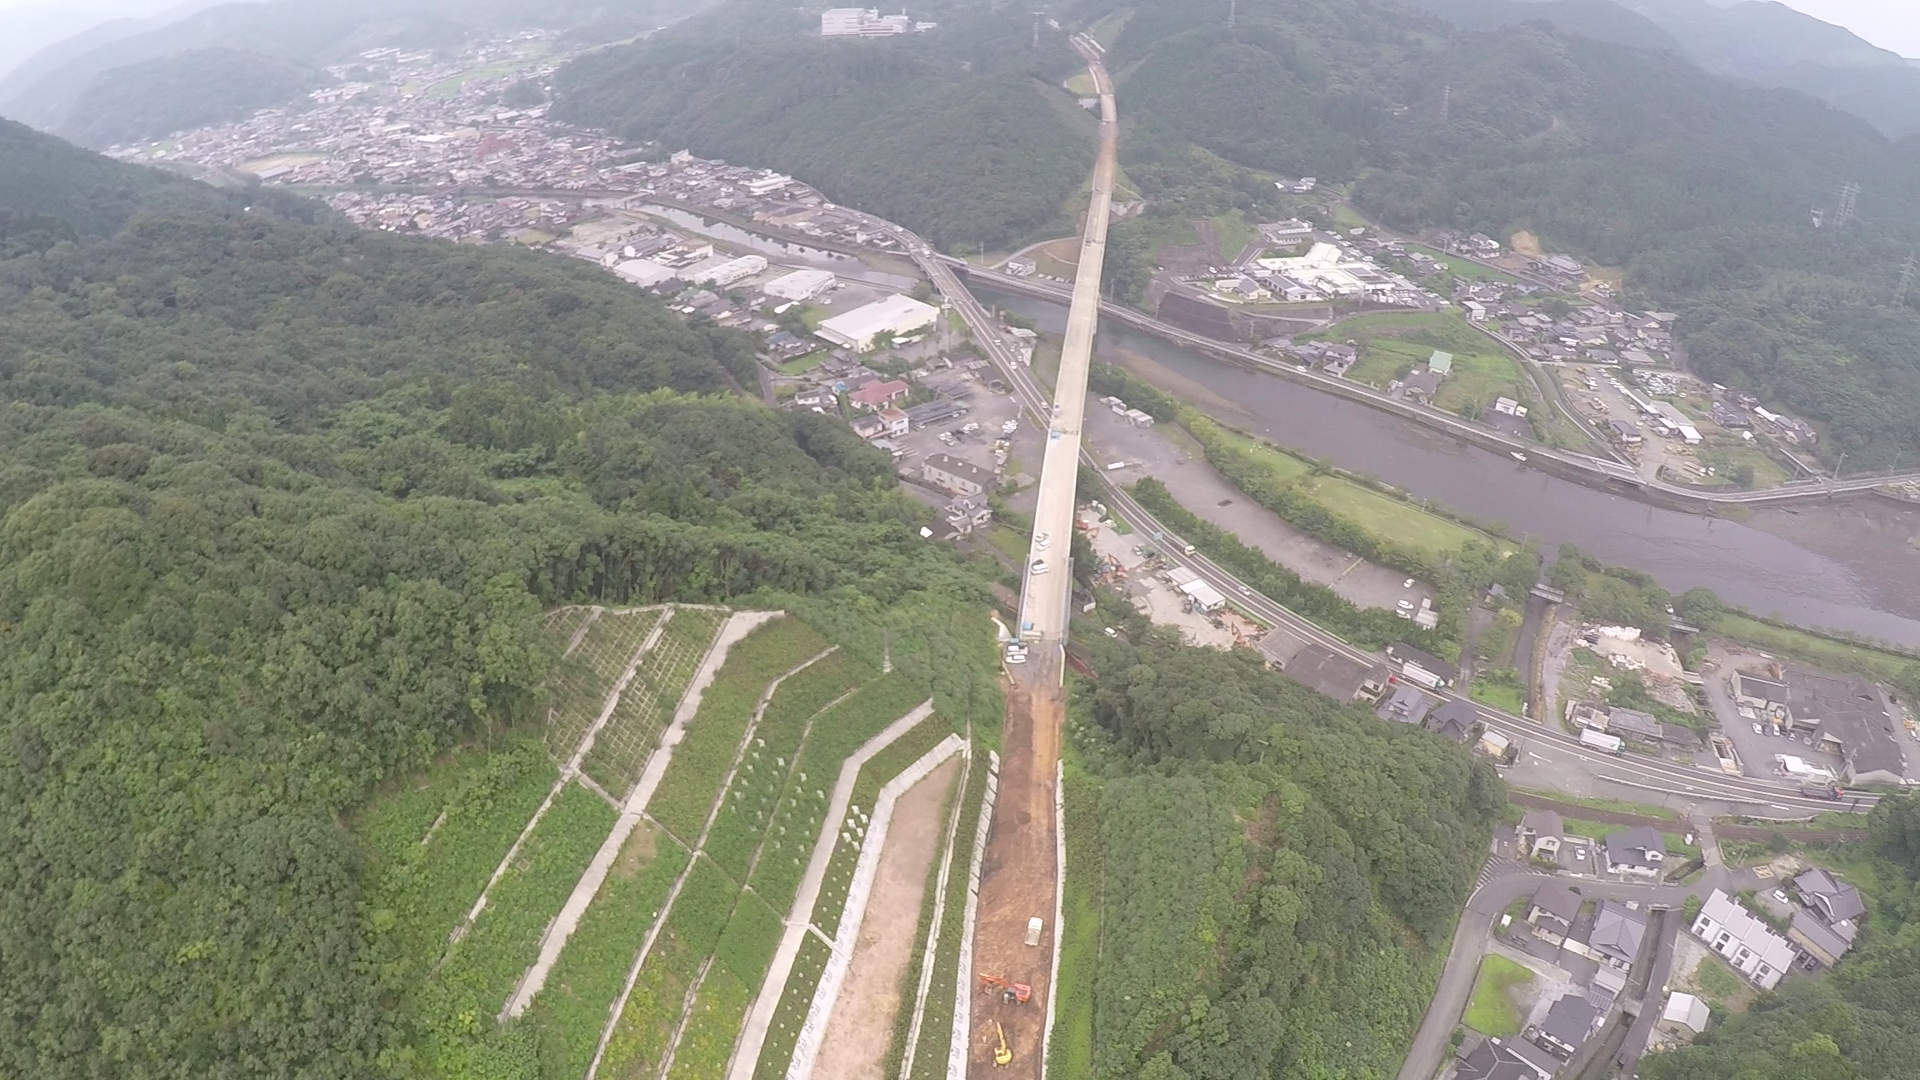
1848, 566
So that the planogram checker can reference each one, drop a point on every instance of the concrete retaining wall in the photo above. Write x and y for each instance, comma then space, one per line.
963, 979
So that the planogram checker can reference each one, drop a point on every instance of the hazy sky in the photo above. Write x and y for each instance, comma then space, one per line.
1890, 24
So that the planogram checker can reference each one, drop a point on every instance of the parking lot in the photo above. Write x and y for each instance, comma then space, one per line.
1757, 750
972, 436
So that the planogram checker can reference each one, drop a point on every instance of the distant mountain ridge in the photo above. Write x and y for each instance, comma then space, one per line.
1756, 41
77, 88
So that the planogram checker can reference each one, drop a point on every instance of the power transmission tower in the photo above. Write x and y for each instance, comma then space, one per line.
1446, 103
1843, 214
1233, 13
1906, 279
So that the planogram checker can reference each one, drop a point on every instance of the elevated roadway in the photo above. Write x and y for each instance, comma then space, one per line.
1049, 582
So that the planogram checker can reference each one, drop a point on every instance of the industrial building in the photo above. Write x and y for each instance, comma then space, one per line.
800, 285
951, 474
866, 22
723, 271
644, 272
897, 315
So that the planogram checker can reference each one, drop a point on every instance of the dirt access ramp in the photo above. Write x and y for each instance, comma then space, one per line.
858, 1033
1017, 882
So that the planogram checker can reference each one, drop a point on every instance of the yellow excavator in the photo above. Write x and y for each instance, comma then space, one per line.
1001, 1054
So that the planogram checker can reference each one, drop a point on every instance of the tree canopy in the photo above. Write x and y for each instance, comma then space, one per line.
279, 505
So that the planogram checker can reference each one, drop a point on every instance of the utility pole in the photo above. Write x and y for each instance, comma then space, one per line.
1906, 279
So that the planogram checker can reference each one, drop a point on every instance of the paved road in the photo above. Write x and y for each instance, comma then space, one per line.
1043, 601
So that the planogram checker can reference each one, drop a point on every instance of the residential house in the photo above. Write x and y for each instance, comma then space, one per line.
1408, 704
1540, 834
1455, 719
895, 421
1325, 671
1421, 386
1554, 910
1616, 934
1638, 852
1421, 666
875, 393
1748, 944
1824, 943
950, 474
1568, 1023
1684, 1014
869, 426
967, 513
1834, 900
1605, 988
1493, 1060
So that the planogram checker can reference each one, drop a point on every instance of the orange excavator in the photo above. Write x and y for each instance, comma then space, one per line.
1012, 993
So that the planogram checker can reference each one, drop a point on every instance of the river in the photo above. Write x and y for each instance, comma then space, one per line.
1849, 566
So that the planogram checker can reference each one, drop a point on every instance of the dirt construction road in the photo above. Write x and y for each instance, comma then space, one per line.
857, 1037
1017, 883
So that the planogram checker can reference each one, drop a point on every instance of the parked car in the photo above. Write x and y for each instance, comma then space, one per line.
1758, 730
1407, 584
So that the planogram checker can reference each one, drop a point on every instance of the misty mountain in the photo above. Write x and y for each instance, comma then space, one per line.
73, 88
1758, 42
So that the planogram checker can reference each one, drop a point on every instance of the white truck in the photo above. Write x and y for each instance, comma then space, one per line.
1600, 740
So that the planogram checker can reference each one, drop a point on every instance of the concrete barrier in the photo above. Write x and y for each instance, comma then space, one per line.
963, 978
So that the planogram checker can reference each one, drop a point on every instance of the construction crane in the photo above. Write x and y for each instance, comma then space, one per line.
1002, 1055
1011, 992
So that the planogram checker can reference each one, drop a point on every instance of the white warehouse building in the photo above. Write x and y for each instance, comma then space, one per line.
644, 272
898, 315
801, 284
723, 271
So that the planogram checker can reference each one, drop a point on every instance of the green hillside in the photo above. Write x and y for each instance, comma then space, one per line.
279, 506
957, 134
1268, 880
1627, 157
183, 90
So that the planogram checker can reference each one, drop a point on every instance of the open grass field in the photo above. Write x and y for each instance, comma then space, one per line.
1811, 648
1479, 378
1372, 510
1234, 233
1462, 268
1498, 695
800, 365
1491, 1010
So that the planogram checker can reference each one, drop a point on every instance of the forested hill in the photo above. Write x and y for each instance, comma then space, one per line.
279, 505
960, 134
1271, 878
1631, 157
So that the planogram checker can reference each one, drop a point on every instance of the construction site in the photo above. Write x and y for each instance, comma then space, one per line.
1014, 931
